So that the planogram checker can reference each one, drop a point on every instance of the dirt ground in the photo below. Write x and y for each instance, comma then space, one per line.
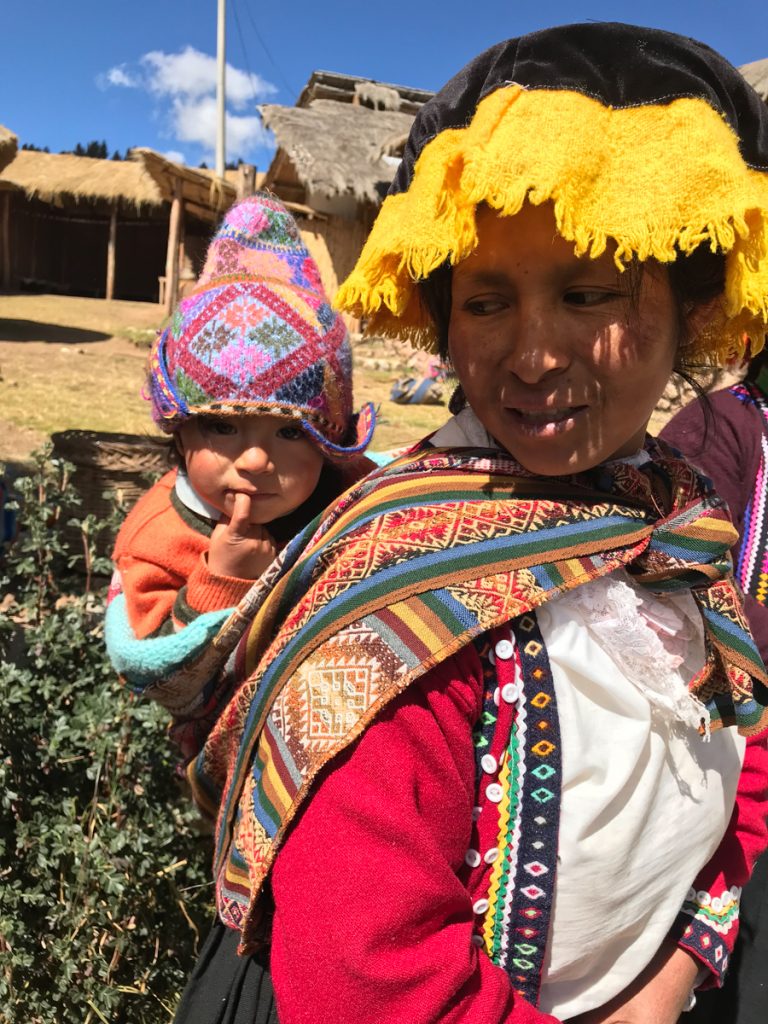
73, 363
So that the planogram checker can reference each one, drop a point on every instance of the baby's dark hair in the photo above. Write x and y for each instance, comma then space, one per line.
695, 279
167, 445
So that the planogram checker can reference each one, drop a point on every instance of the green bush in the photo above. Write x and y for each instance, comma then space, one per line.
104, 879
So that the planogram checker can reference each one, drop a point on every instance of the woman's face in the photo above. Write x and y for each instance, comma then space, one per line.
560, 363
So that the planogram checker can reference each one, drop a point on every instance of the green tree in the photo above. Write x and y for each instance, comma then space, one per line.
94, 149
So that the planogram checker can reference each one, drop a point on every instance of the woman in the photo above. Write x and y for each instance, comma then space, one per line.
726, 436
483, 761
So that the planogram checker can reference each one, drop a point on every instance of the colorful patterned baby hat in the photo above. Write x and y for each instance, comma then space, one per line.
259, 336
642, 140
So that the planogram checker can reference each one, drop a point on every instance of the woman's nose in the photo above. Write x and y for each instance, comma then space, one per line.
537, 348
254, 459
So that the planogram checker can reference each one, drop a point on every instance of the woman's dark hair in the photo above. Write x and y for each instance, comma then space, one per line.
435, 296
695, 278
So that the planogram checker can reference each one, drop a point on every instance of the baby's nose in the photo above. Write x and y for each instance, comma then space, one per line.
254, 459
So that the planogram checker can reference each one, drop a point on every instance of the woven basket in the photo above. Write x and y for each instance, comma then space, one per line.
109, 468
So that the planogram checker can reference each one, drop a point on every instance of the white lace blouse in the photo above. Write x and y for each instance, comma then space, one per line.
645, 798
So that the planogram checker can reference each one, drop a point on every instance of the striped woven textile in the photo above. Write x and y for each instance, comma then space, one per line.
752, 560
415, 562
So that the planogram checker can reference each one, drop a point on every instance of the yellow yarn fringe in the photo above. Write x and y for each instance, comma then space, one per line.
653, 181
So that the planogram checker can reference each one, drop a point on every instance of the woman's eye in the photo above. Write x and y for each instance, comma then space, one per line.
590, 296
291, 433
484, 306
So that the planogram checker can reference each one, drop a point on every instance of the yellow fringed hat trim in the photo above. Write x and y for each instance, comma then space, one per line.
653, 180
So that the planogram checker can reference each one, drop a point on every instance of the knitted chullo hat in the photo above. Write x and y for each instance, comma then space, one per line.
646, 142
259, 336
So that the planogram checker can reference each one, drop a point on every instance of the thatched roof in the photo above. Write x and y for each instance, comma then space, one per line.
338, 148
756, 74
55, 177
232, 175
8, 144
205, 196
331, 85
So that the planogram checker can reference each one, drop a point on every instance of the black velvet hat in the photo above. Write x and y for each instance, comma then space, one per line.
646, 143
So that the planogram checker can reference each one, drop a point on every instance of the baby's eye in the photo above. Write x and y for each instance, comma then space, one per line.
291, 433
220, 427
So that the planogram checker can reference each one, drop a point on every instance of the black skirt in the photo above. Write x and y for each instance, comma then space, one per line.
226, 988
743, 999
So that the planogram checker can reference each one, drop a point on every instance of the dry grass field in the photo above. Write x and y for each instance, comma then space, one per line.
74, 363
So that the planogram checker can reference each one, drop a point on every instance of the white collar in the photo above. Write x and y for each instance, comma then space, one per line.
464, 430
189, 497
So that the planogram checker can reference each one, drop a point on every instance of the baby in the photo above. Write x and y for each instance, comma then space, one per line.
253, 381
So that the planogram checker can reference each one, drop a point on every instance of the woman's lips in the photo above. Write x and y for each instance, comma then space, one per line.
542, 422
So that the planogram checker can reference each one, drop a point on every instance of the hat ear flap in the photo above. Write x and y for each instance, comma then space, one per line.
168, 406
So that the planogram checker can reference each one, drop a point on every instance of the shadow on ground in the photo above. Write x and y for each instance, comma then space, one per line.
54, 334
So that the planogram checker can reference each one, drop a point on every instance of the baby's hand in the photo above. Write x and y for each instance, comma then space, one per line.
238, 547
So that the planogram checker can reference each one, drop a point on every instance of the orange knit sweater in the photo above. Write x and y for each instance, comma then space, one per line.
160, 553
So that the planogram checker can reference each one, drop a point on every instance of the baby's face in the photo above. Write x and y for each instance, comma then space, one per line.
268, 458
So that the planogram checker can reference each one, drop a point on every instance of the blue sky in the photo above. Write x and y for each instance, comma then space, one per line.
141, 72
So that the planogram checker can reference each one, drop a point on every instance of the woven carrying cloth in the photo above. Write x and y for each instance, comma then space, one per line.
646, 143
258, 335
414, 563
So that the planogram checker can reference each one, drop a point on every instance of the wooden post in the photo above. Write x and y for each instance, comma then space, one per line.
182, 246
172, 255
6, 233
111, 245
246, 180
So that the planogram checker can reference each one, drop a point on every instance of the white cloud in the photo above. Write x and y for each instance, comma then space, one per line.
195, 121
118, 75
192, 74
175, 156
184, 85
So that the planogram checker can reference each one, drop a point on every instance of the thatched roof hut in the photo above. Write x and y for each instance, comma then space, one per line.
756, 74
8, 145
110, 212
140, 227
336, 149
62, 177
